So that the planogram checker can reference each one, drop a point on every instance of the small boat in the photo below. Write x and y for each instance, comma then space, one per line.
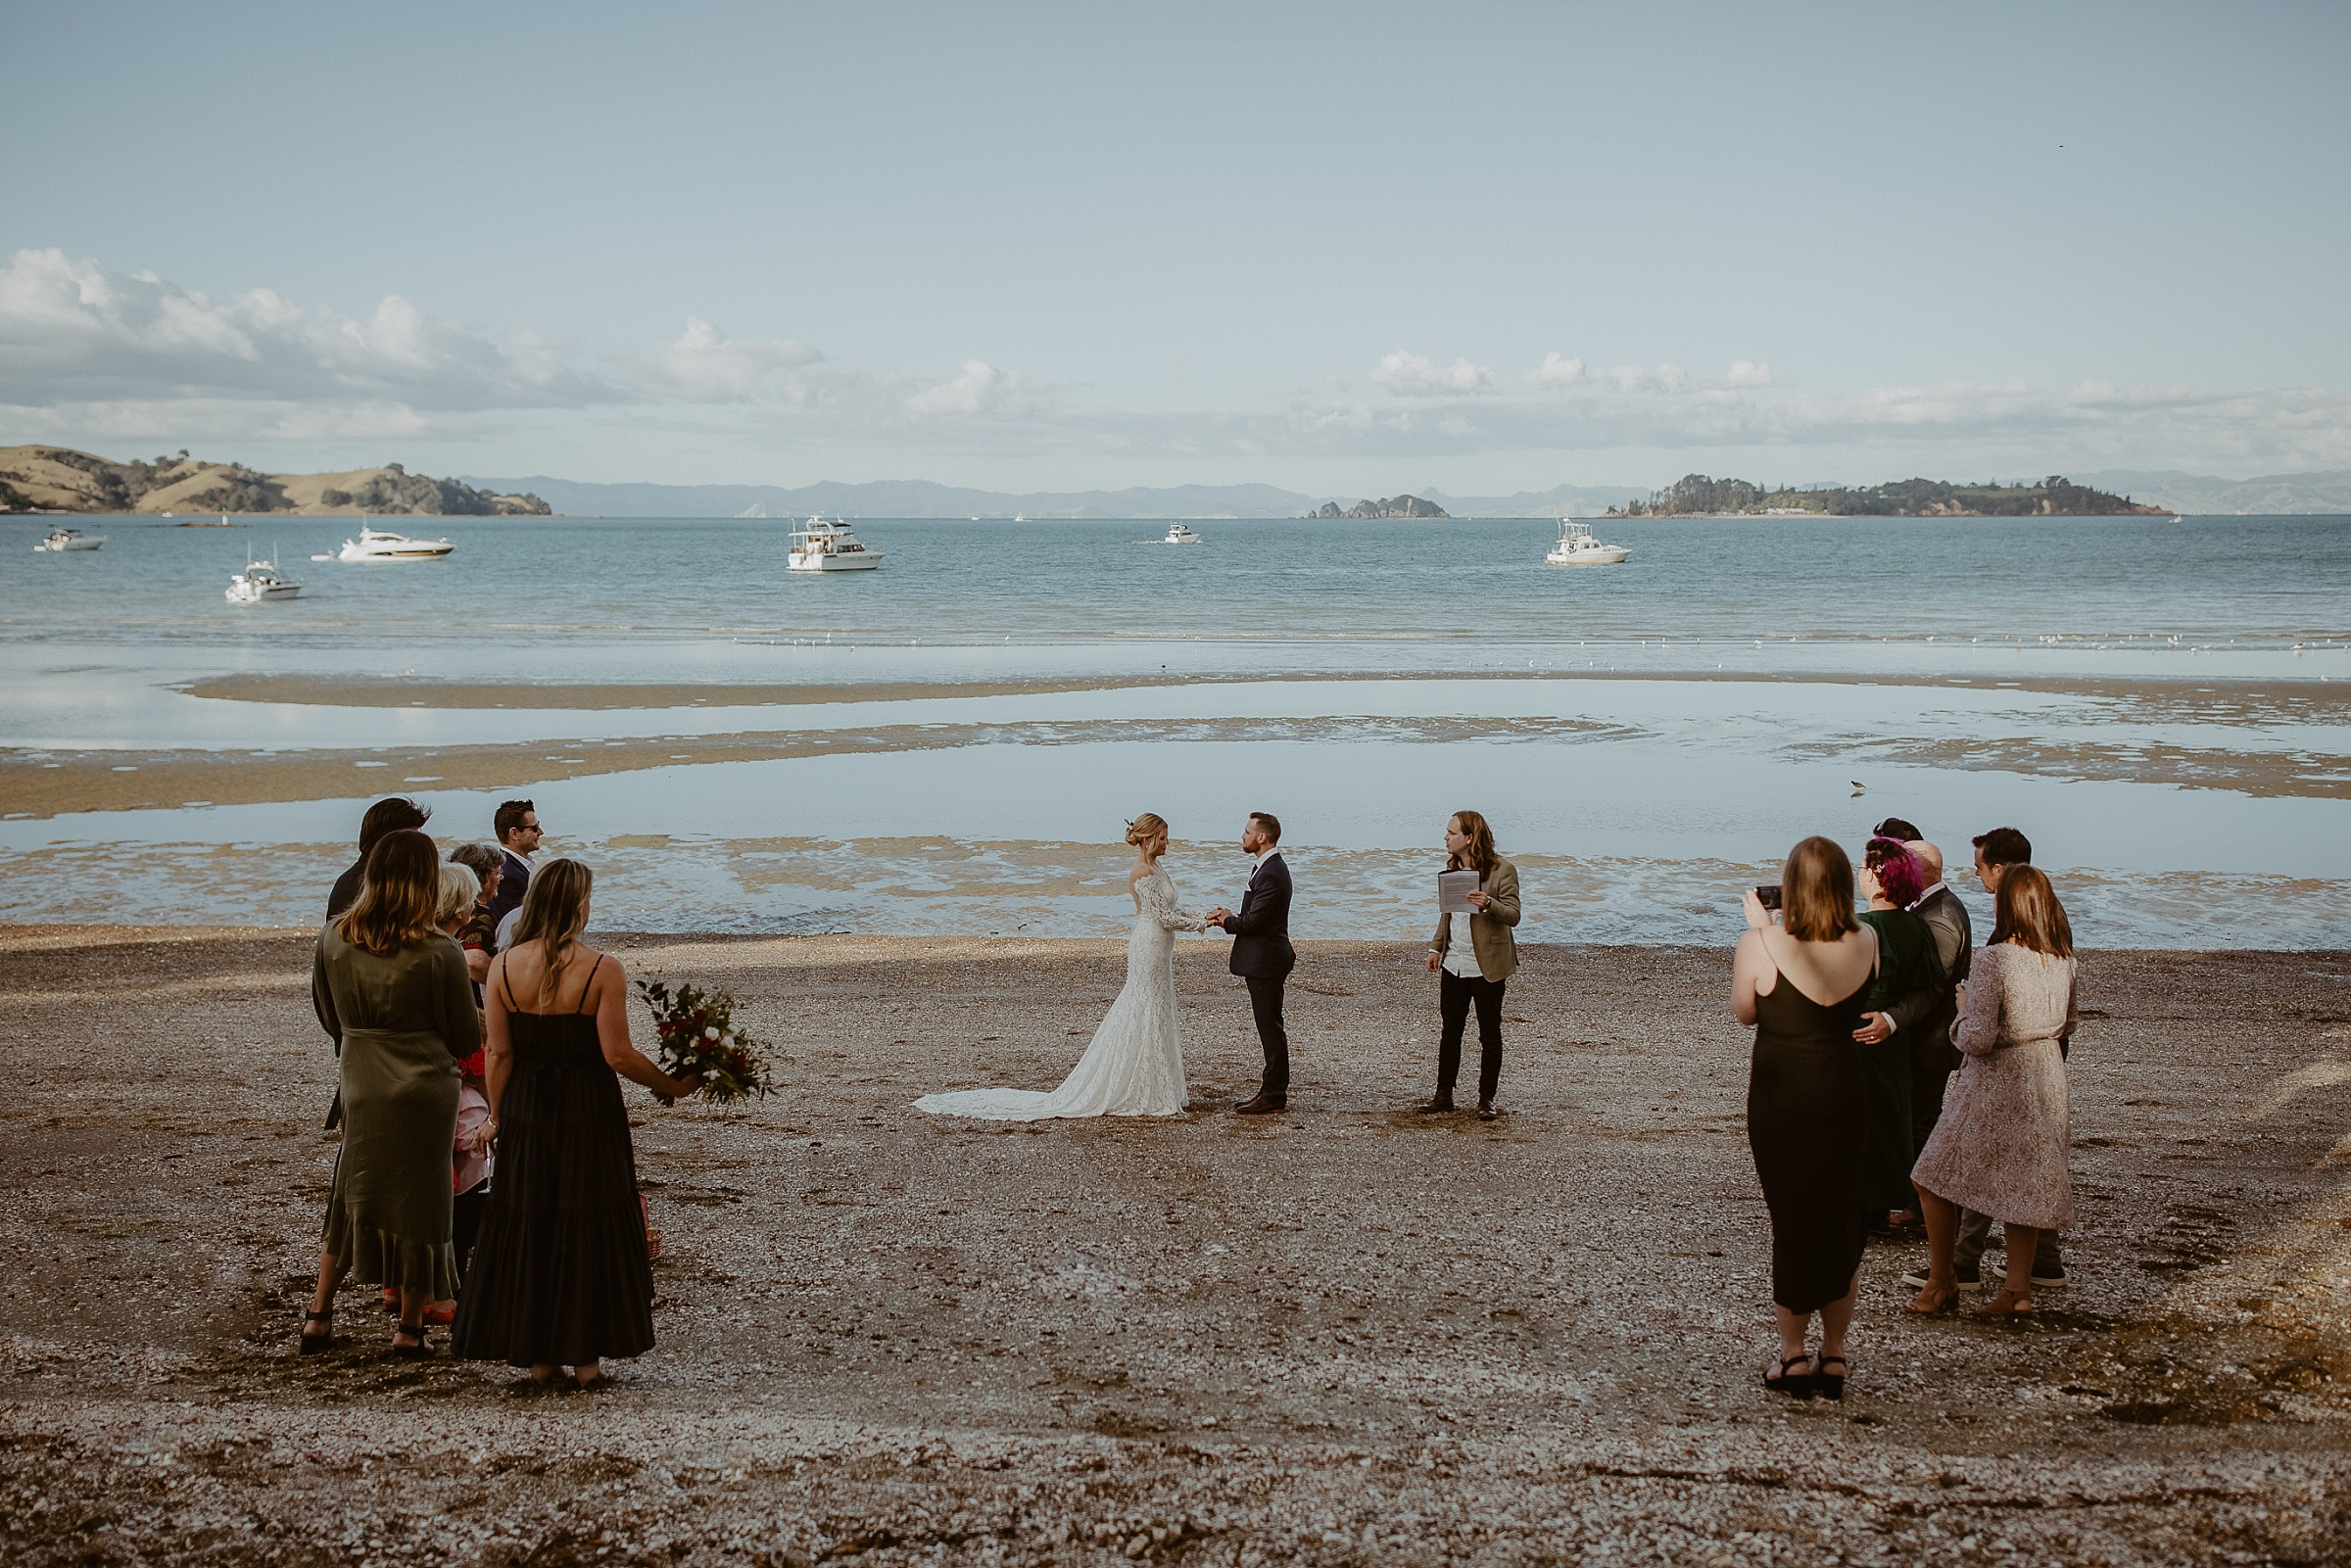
261, 583
1179, 534
821, 546
64, 538
374, 545
1577, 547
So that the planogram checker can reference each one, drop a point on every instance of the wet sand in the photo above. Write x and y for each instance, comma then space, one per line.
1344, 1335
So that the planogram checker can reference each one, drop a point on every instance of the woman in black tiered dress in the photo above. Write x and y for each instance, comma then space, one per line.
560, 1277
1807, 1104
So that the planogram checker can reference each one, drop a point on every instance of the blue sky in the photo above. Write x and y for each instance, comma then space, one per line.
1345, 249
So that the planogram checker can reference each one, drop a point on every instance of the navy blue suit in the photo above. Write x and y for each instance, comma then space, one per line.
514, 880
1263, 957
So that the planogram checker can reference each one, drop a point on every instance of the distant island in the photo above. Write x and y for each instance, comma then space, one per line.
60, 479
1393, 507
1697, 496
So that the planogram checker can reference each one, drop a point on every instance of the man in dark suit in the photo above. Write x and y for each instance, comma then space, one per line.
387, 816
1262, 956
1926, 1016
516, 824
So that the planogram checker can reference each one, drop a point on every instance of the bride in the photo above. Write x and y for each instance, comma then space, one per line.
1134, 1064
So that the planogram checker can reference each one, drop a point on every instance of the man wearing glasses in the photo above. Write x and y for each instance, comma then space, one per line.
516, 824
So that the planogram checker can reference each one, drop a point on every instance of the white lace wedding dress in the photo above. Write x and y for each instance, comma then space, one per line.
1134, 1064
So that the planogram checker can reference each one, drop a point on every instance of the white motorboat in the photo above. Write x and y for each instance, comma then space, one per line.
821, 546
1179, 534
1577, 547
261, 583
374, 546
64, 538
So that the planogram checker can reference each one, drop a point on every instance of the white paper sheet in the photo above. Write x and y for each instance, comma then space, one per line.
1453, 888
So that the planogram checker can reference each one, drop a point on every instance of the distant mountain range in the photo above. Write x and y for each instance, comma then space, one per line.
2206, 494
919, 497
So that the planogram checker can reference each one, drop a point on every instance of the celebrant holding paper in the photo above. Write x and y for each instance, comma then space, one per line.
1479, 883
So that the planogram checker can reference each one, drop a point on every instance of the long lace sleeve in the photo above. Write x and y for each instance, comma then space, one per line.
1977, 1031
1158, 896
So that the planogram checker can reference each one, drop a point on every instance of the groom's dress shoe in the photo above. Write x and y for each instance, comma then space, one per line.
1438, 1105
1261, 1107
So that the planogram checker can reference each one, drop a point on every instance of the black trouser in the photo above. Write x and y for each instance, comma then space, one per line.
1264, 1006
1454, 993
466, 1224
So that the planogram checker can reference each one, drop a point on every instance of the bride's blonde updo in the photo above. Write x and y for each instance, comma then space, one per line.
1145, 828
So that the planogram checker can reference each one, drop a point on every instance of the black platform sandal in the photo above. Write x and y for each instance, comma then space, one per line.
309, 1344
1795, 1385
410, 1353
1829, 1385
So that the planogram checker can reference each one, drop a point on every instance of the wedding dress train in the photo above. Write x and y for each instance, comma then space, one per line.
1134, 1064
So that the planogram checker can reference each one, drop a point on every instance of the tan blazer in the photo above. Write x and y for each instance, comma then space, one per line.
1490, 935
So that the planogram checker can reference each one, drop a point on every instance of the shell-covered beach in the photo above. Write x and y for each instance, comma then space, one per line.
1341, 1335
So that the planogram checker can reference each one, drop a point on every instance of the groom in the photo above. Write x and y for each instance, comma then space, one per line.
1262, 956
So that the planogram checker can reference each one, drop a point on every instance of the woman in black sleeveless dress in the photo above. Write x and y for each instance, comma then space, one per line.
1807, 1105
560, 1277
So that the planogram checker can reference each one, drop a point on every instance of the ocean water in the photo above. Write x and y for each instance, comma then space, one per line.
2164, 706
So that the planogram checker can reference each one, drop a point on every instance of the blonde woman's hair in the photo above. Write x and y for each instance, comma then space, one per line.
1145, 828
555, 911
397, 899
1816, 893
460, 886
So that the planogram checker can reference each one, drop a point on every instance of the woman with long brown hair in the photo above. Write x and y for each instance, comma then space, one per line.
392, 989
560, 1276
1801, 984
1475, 971
2001, 1146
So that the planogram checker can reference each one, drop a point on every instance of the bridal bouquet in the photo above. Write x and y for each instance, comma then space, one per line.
694, 1031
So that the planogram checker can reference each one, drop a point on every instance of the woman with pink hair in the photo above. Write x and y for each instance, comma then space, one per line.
1892, 877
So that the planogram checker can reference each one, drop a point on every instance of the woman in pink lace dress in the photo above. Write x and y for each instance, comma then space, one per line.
2000, 1148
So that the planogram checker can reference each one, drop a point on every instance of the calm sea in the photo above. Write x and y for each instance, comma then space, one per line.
2165, 706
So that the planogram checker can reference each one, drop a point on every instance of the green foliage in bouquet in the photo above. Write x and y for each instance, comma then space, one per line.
694, 1031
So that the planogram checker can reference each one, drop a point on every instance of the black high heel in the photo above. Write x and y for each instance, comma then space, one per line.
309, 1344
1795, 1385
1829, 1385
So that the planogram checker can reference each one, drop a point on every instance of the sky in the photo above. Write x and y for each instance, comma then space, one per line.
1350, 250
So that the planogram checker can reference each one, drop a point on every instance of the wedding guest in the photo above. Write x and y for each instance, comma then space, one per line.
479, 935
560, 1277
1801, 984
388, 816
460, 889
1475, 973
2002, 1146
516, 824
1995, 852
1908, 970
1925, 1019
392, 991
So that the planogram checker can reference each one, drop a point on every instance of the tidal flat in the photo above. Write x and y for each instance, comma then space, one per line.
1343, 1335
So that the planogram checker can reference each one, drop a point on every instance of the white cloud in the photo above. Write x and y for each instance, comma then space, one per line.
1746, 374
1556, 371
73, 330
981, 389
1410, 375
705, 365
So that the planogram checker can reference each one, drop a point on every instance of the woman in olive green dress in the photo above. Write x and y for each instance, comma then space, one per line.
393, 991
1893, 878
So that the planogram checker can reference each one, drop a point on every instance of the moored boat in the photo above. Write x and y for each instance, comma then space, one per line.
261, 583
821, 546
1577, 547
373, 544
64, 538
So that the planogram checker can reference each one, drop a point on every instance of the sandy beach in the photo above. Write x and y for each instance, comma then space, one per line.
1343, 1335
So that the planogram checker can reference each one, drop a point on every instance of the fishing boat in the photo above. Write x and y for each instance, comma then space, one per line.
261, 583
821, 546
1180, 534
1577, 547
375, 546
64, 538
